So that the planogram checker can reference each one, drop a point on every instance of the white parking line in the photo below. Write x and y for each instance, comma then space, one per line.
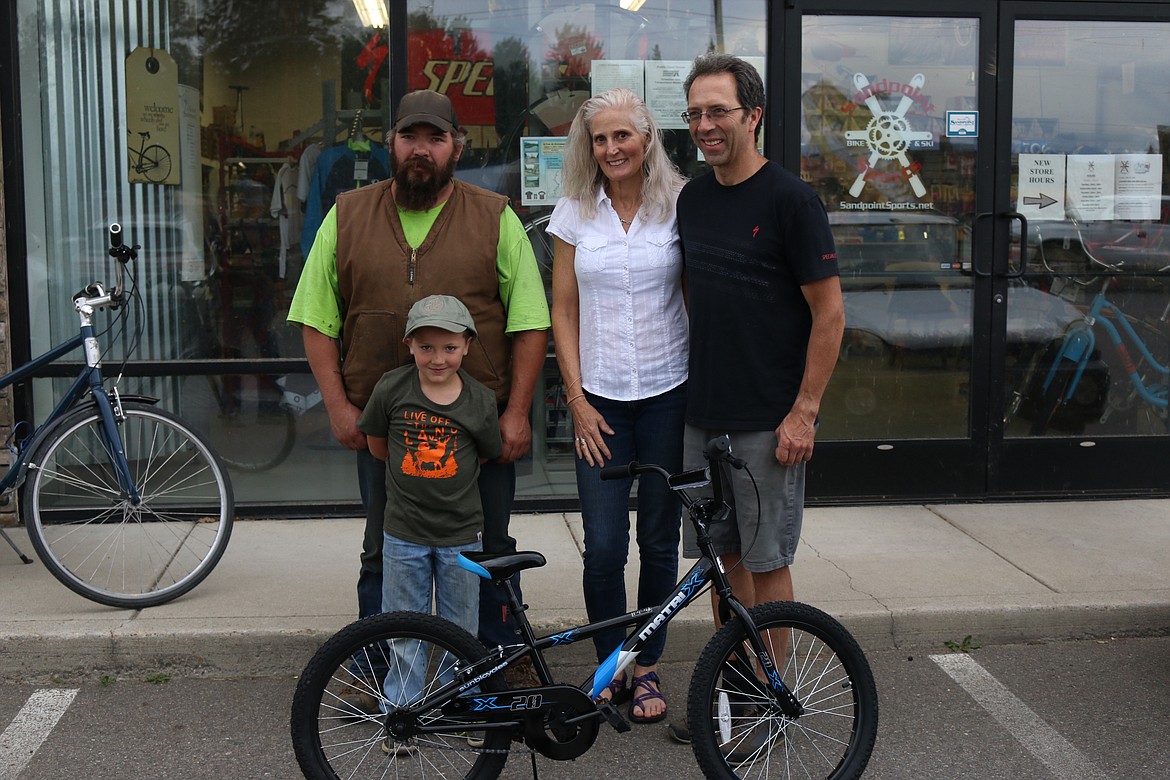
1029, 729
23, 737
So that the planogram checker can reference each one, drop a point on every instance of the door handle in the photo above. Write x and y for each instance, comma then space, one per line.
1023, 243
1010, 215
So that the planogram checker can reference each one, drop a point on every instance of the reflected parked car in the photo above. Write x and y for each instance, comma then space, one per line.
1068, 245
941, 318
906, 282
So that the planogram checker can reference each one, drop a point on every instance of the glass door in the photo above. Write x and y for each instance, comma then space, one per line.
893, 139
1085, 125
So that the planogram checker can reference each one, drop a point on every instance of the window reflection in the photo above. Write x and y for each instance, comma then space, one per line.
898, 182
1089, 137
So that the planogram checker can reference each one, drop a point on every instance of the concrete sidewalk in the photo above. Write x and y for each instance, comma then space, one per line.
896, 576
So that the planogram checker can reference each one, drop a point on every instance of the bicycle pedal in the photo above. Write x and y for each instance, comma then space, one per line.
620, 724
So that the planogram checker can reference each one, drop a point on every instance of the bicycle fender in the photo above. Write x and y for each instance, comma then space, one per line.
86, 404
1077, 346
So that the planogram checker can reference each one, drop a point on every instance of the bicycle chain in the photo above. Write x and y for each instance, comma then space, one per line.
488, 751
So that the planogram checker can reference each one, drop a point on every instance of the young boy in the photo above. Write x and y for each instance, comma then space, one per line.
433, 425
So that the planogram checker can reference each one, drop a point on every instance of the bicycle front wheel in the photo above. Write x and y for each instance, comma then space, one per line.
100, 543
737, 730
348, 693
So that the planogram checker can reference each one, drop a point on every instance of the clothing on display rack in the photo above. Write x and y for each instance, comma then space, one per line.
339, 169
305, 167
287, 206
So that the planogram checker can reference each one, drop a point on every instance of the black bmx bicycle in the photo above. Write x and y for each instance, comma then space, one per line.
782, 690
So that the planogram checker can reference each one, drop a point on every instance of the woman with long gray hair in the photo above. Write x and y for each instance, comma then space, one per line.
620, 328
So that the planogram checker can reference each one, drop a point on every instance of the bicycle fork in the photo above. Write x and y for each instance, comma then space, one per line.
704, 570
110, 414
783, 695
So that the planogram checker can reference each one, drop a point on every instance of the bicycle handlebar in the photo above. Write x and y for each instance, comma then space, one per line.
123, 254
716, 451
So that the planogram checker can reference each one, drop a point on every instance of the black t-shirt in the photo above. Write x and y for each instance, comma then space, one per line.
748, 248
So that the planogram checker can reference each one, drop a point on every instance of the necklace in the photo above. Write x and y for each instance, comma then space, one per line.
626, 222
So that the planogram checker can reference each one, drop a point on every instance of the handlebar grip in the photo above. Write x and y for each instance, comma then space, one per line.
115, 235
719, 449
619, 472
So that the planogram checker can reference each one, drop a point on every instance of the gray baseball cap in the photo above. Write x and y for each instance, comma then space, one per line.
427, 106
440, 311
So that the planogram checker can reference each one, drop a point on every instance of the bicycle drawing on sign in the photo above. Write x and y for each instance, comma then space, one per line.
153, 161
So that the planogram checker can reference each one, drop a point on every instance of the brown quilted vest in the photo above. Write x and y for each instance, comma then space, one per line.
380, 277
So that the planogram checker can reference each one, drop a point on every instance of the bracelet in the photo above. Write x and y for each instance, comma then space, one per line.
574, 398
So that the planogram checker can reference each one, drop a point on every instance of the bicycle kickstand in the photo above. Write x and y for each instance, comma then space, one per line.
23, 558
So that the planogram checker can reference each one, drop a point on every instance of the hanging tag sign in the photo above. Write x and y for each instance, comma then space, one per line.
152, 117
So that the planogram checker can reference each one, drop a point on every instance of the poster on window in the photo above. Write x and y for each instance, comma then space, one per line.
152, 117
1139, 187
541, 167
664, 92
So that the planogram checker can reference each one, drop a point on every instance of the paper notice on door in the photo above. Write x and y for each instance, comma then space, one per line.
1139, 186
1090, 186
1041, 186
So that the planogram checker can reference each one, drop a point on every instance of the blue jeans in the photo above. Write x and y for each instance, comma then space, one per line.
497, 489
648, 431
421, 573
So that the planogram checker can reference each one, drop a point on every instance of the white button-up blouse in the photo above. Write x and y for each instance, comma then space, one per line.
634, 333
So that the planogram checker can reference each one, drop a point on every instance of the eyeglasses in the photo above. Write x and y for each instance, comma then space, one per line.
714, 114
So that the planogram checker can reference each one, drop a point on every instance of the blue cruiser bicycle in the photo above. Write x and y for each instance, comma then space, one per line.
781, 691
124, 503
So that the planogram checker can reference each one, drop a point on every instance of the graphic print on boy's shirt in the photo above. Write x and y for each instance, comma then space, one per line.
431, 443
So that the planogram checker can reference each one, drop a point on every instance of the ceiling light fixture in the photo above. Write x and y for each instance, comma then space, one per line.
372, 12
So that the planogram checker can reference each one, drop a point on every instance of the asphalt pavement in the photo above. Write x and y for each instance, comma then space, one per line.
907, 576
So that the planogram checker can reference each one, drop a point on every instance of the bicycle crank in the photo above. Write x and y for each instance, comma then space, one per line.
563, 725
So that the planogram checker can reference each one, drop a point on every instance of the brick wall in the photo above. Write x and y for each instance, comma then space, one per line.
8, 503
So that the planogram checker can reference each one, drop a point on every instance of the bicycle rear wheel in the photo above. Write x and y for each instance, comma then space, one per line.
408, 654
100, 544
243, 417
738, 731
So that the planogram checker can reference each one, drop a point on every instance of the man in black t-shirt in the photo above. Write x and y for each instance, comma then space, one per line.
766, 319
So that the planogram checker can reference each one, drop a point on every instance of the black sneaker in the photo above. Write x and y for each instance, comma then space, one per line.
679, 732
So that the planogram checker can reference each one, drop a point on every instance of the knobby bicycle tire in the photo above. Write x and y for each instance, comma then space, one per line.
1053, 399
737, 732
100, 544
338, 720
542, 246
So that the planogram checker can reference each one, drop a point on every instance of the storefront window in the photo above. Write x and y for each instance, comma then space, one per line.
1089, 140
217, 133
518, 72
